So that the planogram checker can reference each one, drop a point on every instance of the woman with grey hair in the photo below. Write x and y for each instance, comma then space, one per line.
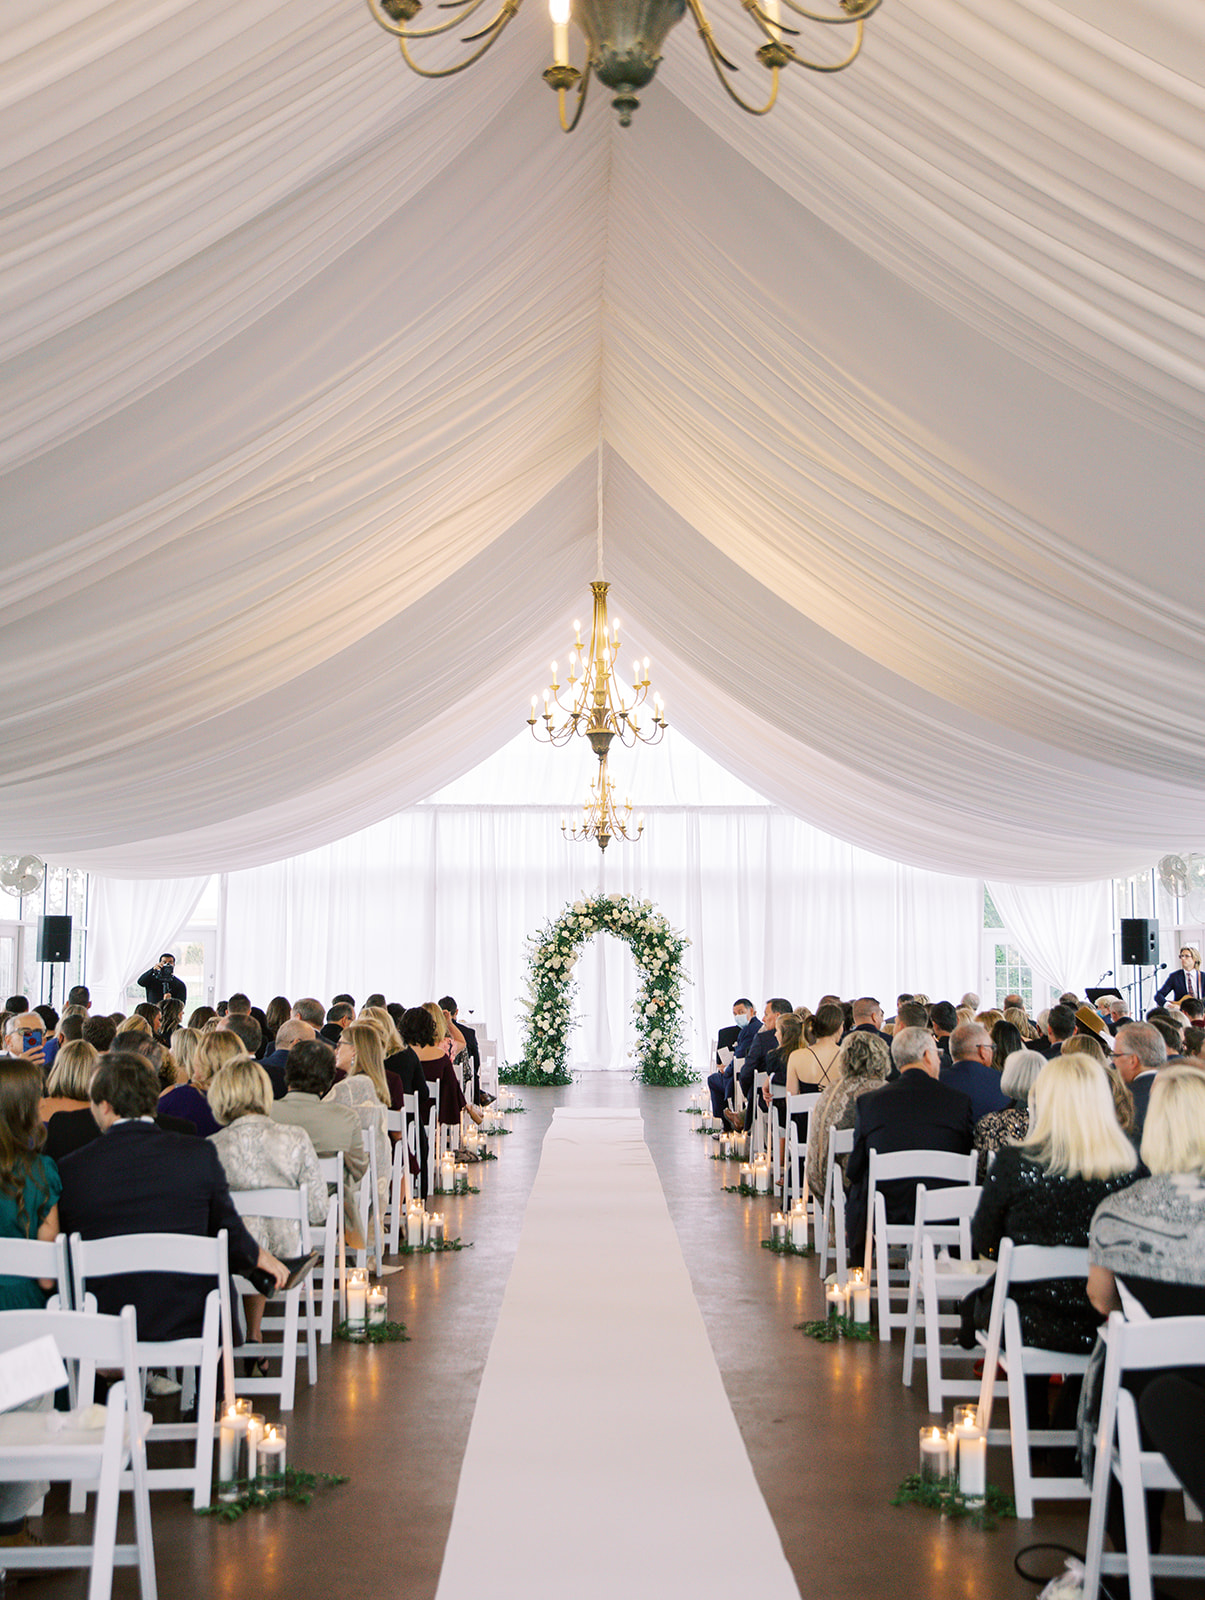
1010, 1126
861, 1064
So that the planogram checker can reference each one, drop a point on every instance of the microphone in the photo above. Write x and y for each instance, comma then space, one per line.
1105, 975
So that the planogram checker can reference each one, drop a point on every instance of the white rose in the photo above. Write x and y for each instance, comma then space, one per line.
547, 1066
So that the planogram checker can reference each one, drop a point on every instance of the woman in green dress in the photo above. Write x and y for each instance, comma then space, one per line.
29, 1181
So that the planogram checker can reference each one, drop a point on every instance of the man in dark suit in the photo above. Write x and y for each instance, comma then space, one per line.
720, 1082
971, 1069
1138, 1053
276, 1063
765, 1040
160, 981
868, 1017
916, 1112
138, 1179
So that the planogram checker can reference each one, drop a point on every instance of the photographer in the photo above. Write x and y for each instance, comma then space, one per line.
160, 981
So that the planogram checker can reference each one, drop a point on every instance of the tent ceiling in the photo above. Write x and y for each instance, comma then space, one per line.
306, 364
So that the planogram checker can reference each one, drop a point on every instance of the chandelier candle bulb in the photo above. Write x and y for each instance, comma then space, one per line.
934, 1455
378, 1304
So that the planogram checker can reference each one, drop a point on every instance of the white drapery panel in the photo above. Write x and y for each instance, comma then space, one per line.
441, 899
1065, 933
902, 392
129, 924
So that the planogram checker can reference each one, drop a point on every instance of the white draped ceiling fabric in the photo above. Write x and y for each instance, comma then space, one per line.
305, 364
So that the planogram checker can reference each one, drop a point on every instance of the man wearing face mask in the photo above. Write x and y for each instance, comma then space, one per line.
160, 981
746, 1025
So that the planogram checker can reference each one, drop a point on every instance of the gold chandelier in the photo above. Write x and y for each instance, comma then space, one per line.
601, 818
596, 708
623, 42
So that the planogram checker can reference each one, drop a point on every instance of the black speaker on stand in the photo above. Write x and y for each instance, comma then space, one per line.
1139, 942
54, 944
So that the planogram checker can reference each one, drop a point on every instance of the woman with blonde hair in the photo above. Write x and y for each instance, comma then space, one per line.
1044, 1191
1020, 1021
67, 1088
135, 1024
188, 1100
184, 1053
257, 1153
391, 1039
361, 1056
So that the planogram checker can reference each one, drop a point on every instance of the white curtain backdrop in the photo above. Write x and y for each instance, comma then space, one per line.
129, 924
1064, 932
442, 897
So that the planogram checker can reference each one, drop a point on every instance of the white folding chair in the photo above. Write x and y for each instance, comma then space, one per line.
330, 1275
795, 1179
840, 1143
778, 1100
1158, 1343
759, 1137
1027, 1263
943, 1219
882, 1236
399, 1176
37, 1258
291, 1205
195, 1256
487, 1075
103, 1457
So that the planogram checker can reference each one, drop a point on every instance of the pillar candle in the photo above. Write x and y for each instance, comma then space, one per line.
461, 1183
859, 1295
799, 1227
934, 1455
972, 1464
357, 1298
834, 1298
377, 1306
255, 1432
763, 1176
231, 1431
778, 1228
271, 1453
414, 1226
745, 1174
436, 1231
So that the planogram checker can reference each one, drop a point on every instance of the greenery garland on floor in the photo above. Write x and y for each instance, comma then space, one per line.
660, 1027
373, 1333
784, 1247
257, 1494
828, 1330
944, 1496
405, 1249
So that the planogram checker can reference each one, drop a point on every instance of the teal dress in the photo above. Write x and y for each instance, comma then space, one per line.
42, 1189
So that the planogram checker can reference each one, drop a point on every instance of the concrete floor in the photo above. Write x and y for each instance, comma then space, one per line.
830, 1429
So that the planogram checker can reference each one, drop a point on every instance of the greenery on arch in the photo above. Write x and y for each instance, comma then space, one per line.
658, 952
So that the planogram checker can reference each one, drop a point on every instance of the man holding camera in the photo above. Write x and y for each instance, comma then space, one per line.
160, 981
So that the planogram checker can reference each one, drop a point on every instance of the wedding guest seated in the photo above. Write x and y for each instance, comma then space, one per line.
29, 1179
1152, 1237
915, 1112
258, 1153
171, 1017
1194, 1046
24, 1037
290, 1033
995, 1129
333, 1129
1044, 1191
445, 1041
1060, 1025
138, 1179
276, 1015
1139, 1053
868, 1017
910, 1013
361, 1060
67, 1086
943, 1019
185, 1043
100, 1033
755, 1060
188, 1100
420, 1035
972, 1052
245, 1029
862, 1065
338, 1016
311, 1011
812, 1065
201, 1017
720, 1083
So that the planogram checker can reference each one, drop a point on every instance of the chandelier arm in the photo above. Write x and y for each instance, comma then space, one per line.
490, 34
827, 66
568, 127
720, 62
855, 14
464, 10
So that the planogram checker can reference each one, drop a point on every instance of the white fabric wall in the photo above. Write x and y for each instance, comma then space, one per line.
442, 898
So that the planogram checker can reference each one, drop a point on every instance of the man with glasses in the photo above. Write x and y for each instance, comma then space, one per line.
1138, 1053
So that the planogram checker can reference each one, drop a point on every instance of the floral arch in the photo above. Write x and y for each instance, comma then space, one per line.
658, 953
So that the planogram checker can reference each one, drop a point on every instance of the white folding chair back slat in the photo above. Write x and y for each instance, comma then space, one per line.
794, 1182
287, 1205
882, 1236
100, 1457
1159, 1344
1003, 1345
330, 1274
196, 1256
831, 1233
943, 1220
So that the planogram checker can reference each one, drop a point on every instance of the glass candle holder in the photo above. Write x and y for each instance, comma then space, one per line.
271, 1455
934, 1455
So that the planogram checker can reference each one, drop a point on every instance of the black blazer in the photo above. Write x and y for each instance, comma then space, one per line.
470, 1044
159, 988
138, 1179
1177, 985
726, 1039
916, 1112
68, 1131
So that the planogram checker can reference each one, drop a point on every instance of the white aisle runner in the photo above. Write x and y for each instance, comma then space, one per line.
604, 1459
